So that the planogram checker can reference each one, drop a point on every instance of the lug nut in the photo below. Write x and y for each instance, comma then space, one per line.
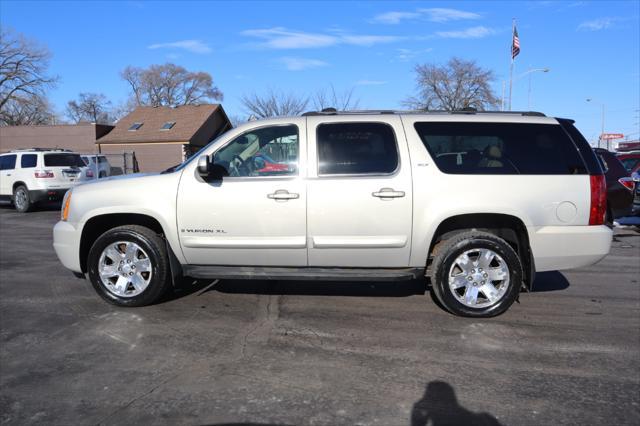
119, 269
470, 278
128, 260
479, 269
130, 273
473, 271
485, 275
482, 282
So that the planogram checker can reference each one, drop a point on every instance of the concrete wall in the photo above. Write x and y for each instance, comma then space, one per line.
152, 157
80, 138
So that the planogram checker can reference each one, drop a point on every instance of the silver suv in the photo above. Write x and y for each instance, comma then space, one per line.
475, 202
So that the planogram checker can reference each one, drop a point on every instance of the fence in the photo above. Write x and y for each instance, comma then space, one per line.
104, 165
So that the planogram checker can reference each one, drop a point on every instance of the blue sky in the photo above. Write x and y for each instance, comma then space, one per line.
591, 48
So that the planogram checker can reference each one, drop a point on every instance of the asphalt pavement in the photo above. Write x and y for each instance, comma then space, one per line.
313, 353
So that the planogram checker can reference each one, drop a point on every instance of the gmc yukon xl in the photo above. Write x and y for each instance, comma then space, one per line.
475, 202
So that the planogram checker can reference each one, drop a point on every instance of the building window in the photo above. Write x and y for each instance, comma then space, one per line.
135, 126
168, 125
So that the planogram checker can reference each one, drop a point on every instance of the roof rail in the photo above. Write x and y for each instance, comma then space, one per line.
332, 111
40, 150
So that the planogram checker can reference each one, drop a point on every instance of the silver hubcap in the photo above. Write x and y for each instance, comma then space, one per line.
125, 269
479, 278
20, 198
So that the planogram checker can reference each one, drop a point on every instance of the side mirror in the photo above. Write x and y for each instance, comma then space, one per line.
204, 164
209, 170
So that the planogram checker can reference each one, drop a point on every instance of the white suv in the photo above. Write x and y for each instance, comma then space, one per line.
39, 174
476, 202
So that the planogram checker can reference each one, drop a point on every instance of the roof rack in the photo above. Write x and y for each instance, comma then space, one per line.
40, 150
333, 111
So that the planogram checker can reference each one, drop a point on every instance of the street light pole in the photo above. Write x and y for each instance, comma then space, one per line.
529, 72
602, 122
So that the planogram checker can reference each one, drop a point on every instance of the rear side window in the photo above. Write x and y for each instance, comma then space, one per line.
8, 162
102, 160
501, 148
356, 148
28, 161
63, 160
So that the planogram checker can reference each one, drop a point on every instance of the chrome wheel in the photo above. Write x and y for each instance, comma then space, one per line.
20, 198
124, 269
479, 278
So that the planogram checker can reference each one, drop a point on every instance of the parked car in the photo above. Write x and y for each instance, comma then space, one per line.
30, 176
635, 176
630, 161
620, 186
375, 198
96, 166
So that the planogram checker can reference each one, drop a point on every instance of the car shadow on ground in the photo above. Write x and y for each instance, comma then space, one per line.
545, 281
438, 406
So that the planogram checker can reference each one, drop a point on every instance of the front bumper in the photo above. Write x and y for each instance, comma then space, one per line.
66, 243
37, 195
567, 247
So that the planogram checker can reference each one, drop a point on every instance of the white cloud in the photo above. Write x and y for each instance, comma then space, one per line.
473, 32
405, 55
193, 46
436, 14
299, 64
281, 38
370, 82
394, 17
597, 24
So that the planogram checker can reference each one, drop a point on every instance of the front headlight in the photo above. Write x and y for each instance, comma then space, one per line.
66, 205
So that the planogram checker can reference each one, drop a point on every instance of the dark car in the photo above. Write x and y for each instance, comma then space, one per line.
620, 186
630, 161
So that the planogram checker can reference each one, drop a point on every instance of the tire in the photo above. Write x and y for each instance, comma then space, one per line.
503, 273
133, 245
21, 199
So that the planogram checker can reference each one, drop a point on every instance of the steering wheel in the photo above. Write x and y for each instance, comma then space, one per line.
240, 166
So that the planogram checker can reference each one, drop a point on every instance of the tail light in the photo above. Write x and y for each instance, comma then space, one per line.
89, 173
627, 182
43, 174
598, 200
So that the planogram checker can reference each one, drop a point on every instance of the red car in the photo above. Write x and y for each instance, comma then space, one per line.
266, 164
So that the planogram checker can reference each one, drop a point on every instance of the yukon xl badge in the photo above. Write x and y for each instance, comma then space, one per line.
202, 231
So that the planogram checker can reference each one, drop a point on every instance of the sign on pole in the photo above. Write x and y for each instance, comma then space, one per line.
608, 136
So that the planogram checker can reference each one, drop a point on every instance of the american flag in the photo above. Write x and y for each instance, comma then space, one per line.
515, 45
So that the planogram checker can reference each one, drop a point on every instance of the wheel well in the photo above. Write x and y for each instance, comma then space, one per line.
509, 228
98, 225
17, 184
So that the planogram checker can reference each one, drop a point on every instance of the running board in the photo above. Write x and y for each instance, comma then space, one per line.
302, 273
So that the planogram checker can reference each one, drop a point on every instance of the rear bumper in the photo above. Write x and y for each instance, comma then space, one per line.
66, 243
566, 247
36, 195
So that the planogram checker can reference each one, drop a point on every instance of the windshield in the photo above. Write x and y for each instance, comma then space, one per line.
63, 160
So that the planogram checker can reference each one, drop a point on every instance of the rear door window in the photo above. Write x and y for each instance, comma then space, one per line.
356, 148
63, 160
28, 161
500, 148
8, 162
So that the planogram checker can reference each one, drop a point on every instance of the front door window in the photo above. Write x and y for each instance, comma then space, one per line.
267, 151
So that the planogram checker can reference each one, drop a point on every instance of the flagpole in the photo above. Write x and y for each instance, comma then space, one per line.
513, 26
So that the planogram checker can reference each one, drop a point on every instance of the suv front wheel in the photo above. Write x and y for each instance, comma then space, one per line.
128, 266
475, 274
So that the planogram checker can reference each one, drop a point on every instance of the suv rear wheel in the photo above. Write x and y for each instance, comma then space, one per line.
476, 274
21, 199
128, 266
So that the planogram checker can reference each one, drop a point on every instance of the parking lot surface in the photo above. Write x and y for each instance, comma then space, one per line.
274, 353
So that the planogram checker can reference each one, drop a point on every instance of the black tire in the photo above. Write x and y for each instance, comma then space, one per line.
154, 247
446, 252
21, 199
102, 175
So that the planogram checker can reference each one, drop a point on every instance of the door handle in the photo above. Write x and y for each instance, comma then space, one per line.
386, 193
283, 194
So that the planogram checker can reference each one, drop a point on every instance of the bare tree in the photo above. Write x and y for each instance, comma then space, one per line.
27, 110
344, 101
458, 84
92, 107
170, 85
274, 104
23, 80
